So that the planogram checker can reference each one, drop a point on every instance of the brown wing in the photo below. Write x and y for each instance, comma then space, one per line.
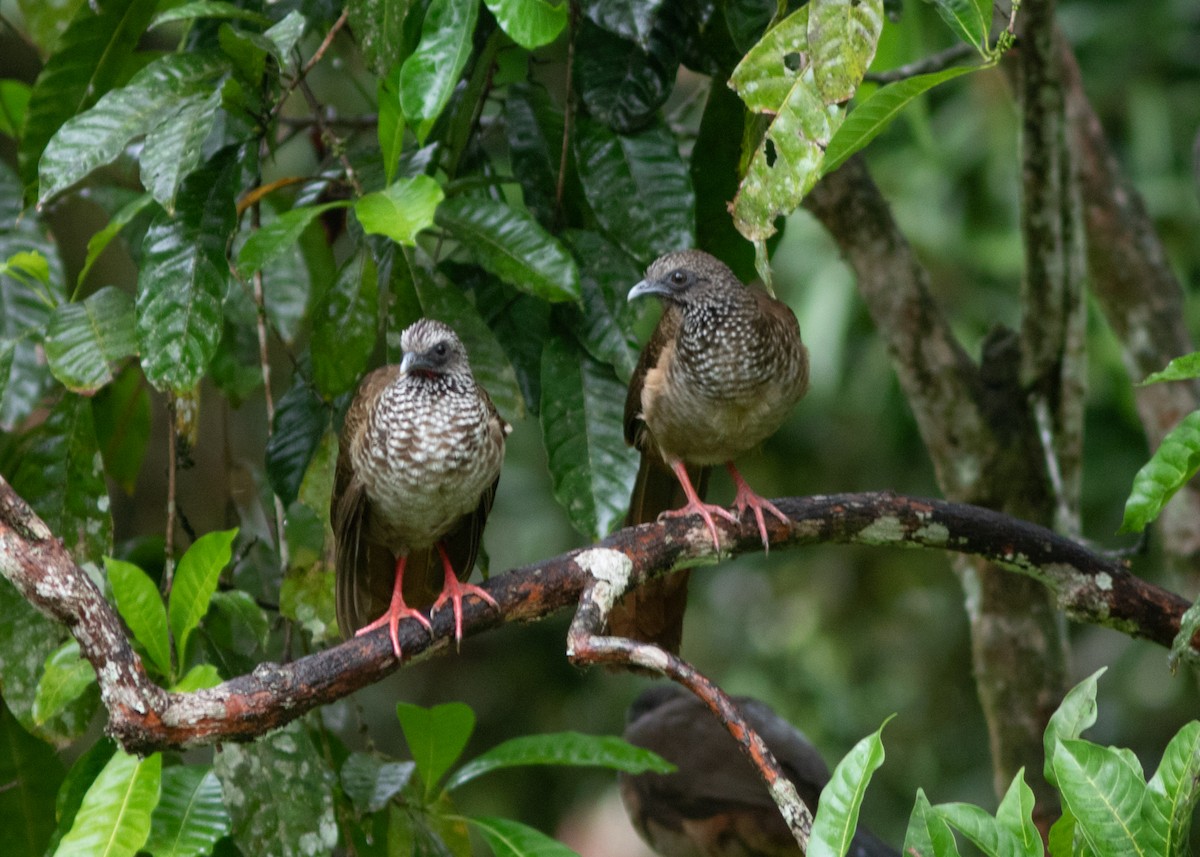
654, 612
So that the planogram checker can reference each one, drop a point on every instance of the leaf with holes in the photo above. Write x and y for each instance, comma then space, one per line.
842, 36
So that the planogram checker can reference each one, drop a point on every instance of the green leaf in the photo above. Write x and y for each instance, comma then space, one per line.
306, 596
534, 128
390, 131
85, 340
1172, 792
121, 412
490, 365
14, 101
638, 187
509, 243
235, 632
27, 638
867, 120
562, 748
624, 83
843, 35
928, 833
190, 816
32, 773
74, 788
436, 737
530, 23
274, 239
970, 20
142, 608
582, 415
837, 812
1074, 714
194, 584
301, 420
173, 146
208, 9
1173, 464
91, 57
184, 276
1015, 817
370, 782
154, 95
63, 477
279, 792
605, 323
979, 827
772, 79
345, 321
66, 677
379, 27
1180, 369
199, 677
100, 241
401, 210
114, 818
430, 73
508, 838
1104, 795
283, 37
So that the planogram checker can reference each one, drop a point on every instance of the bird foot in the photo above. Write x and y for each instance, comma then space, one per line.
748, 498
705, 511
397, 611
453, 591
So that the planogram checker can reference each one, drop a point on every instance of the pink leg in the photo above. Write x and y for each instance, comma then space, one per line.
695, 506
397, 611
453, 590
748, 498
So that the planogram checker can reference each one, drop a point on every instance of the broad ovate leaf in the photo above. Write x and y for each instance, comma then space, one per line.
86, 340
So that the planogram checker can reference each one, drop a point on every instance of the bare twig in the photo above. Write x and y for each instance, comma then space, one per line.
317, 56
934, 62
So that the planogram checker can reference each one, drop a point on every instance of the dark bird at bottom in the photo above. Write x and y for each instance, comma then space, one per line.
719, 375
418, 464
715, 804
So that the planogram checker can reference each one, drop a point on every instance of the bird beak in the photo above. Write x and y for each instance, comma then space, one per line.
647, 287
412, 362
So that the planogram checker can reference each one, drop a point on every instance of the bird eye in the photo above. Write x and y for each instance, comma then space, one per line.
679, 277
441, 349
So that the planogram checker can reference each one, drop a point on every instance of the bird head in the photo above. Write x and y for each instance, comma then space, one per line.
431, 349
684, 276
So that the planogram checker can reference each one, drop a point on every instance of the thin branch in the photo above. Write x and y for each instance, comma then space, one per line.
934, 62
312, 61
143, 717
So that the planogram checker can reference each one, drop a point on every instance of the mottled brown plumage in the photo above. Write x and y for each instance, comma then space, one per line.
418, 463
719, 375
715, 804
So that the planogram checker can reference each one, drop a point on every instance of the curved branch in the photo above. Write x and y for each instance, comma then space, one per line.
143, 717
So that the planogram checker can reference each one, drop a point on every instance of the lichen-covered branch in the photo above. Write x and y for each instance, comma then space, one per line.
1087, 586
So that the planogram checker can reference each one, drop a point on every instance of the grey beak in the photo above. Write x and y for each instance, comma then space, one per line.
647, 287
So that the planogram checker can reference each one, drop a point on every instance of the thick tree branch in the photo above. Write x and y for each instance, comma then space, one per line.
1088, 586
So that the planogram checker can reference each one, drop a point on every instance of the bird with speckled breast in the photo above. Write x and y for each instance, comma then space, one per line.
721, 372
418, 464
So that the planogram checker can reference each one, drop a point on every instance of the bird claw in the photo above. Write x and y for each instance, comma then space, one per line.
706, 512
747, 498
397, 611
453, 591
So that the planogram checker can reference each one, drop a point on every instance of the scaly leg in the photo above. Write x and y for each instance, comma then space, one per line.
695, 506
396, 611
747, 497
453, 590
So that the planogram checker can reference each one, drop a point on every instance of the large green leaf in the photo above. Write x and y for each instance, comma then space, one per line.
1172, 792
64, 680
508, 838
208, 9
266, 244
114, 819
979, 827
971, 20
534, 127
842, 35
1015, 816
14, 102
1104, 794
184, 276
1180, 369
436, 737
446, 302
31, 772
1074, 714
142, 608
638, 187
85, 340
279, 792
401, 210
301, 420
194, 584
190, 816
153, 97
26, 639
173, 145
623, 83
430, 73
605, 323
92, 56
867, 120
582, 415
530, 23
562, 748
928, 833
509, 243
379, 27
370, 782
1173, 464
841, 799
63, 478
345, 323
